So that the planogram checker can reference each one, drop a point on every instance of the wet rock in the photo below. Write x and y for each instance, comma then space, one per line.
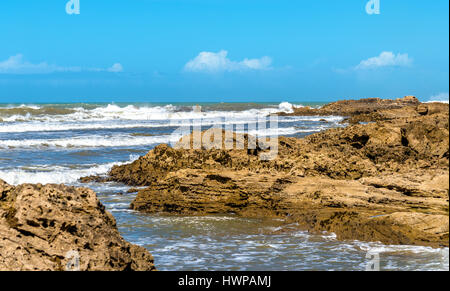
47, 227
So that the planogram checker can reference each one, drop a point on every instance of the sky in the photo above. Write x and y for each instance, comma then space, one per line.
222, 50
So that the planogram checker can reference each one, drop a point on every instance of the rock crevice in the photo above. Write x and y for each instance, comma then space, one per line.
42, 227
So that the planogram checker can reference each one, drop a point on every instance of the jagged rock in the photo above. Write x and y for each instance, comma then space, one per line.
45, 227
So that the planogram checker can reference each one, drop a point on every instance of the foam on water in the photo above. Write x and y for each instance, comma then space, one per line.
130, 140
22, 106
439, 98
53, 174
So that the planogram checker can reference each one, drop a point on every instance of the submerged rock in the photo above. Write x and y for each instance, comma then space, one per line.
55, 227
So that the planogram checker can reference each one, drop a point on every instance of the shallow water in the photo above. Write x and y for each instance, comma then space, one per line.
241, 244
39, 145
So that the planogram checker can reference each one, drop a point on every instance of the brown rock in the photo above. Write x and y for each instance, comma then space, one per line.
422, 109
356, 107
44, 227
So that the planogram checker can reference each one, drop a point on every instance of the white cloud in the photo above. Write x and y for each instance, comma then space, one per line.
116, 68
385, 59
210, 62
18, 66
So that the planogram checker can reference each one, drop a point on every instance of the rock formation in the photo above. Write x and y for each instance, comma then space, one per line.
55, 227
382, 181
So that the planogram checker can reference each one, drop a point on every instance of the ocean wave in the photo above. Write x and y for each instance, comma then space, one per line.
52, 174
109, 112
375, 247
19, 127
129, 112
90, 141
30, 106
59, 126
39, 126
132, 140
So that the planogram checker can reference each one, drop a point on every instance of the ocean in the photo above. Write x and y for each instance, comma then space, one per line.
59, 143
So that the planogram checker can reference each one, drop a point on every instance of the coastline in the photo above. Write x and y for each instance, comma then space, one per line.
383, 177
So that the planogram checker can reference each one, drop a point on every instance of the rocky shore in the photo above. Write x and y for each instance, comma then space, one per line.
55, 228
385, 180
384, 177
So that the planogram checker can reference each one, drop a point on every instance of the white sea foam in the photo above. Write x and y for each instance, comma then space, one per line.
377, 247
439, 98
90, 141
51, 174
39, 126
283, 131
132, 112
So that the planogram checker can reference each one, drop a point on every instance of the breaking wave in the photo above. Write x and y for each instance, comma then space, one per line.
132, 140
129, 112
52, 174
65, 126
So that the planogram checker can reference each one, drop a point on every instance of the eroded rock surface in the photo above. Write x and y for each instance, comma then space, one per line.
45, 227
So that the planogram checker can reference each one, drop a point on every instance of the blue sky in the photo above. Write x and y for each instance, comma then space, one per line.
222, 50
